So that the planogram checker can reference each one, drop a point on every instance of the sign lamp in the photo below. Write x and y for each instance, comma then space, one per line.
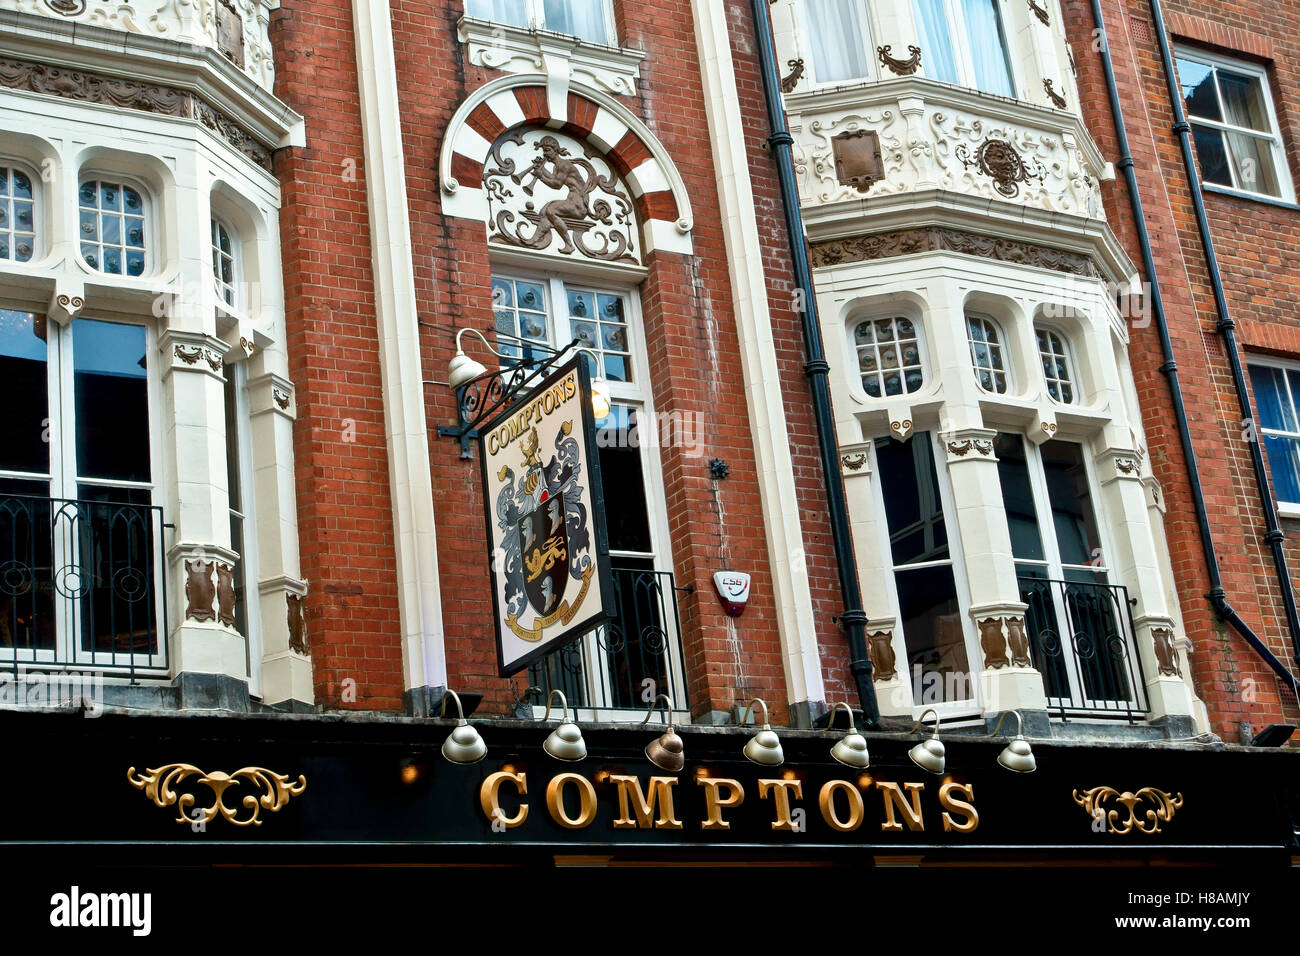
764, 747
929, 753
851, 749
565, 742
665, 751
462, 370
1016, 755
463, 745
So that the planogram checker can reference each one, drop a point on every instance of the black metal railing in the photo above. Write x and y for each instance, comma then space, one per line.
1082, 641
630, 660
81, 585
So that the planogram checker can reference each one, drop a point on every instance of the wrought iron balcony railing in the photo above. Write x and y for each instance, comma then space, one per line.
1082, 641
81, 585
623, 665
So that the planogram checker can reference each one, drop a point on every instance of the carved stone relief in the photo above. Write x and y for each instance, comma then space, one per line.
900, 67
908, 242
1002, 163
550, 193
297, 625
1018, 642
884, 666
199, 590
226, 594
993, 643
791, 80
1166, 652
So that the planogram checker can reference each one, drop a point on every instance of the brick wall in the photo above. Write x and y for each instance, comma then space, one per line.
1255, 243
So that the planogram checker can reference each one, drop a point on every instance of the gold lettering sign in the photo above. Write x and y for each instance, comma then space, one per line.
783, 790
630, 795
586, 801
952, 805
827, 802
714, 802
489, 798
894, 798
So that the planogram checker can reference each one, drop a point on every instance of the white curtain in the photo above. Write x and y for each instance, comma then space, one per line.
581, 18
839, 39
988, 47
938, 59
498, 11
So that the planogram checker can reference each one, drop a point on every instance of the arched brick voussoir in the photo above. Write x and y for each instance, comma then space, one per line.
663, 207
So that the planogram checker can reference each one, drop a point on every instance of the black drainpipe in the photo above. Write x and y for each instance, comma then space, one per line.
1217, 595
1225, 326
816, 368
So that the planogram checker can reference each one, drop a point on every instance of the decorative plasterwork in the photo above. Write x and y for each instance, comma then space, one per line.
897, 66
271, 393
791, 79
884, 665
906, 242
1115, 463
1041, 13
937, 137
193, 22
663, 208
271, 791
66, 301
855, 460
969, 448
511, 49
297, 621
1003, 640
548, 192
200, 592
1162, 808
1057, 99
130, 94
900, 426
1166, 652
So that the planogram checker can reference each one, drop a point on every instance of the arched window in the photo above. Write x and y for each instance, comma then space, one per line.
225, 261
889, 356
988, 354
1057, 373
113, 229
17, 215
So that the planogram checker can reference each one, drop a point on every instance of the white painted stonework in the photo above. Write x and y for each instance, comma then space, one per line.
511, 49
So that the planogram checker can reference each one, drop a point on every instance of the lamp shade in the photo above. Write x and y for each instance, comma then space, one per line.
929, 755
462, 369
851, 750
464, 745
765, 748
667, 751
566, 743
1018, 756
600, 398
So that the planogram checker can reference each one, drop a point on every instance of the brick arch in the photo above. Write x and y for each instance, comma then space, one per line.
663, 208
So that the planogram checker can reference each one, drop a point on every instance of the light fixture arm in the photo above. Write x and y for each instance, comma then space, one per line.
1020, 723
749, 711
835, 710
460, 711
668, 711
921, 722
563, 701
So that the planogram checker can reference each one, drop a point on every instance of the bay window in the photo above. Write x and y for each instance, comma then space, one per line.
965, 42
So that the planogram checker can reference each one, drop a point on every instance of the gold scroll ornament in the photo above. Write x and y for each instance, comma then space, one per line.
159, 783
1162, 808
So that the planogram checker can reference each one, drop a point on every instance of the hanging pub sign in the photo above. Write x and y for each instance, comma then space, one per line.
551, 580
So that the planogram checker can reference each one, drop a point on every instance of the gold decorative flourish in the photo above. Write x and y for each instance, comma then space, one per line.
1165, 804
159, 786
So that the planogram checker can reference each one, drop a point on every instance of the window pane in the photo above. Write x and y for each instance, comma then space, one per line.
499, 11
1284, 465
24, 426
1252, 159
913, 508
1018, 498
932, 630
1213, 155
988, 47
112, 400
939, 60
838, 39
619, 439
1275, 409
118, 561
1071, 501
1243, 101
1197, 81
582, 18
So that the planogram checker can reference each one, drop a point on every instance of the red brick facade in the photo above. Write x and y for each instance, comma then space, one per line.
1256, 245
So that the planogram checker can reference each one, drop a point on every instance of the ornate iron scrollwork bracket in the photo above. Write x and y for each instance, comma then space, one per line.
481, 398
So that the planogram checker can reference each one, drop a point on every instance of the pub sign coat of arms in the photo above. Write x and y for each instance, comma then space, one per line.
551, 581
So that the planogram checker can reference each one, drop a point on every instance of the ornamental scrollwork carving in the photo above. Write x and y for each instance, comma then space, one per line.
1161, 810
1057, 99
905, 242
280, 396
297, 625
791, 79
981, 446
1002, 163
270, 791
67, 8
1041, 13
854, 462
900, 67
1166, 652
191, 354
1127, 466
550, 193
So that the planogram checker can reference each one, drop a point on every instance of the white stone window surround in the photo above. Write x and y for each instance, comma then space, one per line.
513, 49
904, 308
149, 217
1273, 136
10, 229
193, 176
881, 367
1036, 51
